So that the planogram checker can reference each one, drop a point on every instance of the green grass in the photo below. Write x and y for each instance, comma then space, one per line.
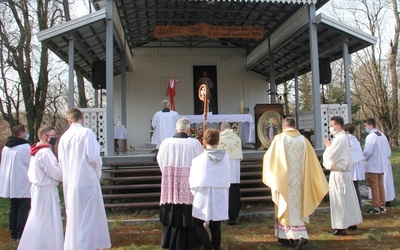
255, 232
4, 207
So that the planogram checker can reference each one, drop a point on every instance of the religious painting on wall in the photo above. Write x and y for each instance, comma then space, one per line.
205, 75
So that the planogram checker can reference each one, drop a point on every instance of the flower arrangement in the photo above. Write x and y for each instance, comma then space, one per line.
197, 133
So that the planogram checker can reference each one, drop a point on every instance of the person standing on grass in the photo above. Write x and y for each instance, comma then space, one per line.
338, 158
174, 158
14, 182
377, 154
81, 163
232, 143
209, 183
357, 171
44, 228
293, 172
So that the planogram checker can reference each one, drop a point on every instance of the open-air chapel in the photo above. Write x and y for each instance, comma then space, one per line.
134, 52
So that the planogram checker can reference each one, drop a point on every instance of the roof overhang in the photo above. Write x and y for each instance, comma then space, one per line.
89, 34
291, 46
285, 23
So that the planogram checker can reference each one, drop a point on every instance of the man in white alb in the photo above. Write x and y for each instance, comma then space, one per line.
44, 228
377, 154
338, 158
163, 123
81, 163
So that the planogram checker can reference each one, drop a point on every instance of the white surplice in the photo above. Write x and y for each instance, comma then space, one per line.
357, 171
14, 165
345, 209
175, 160
44, 228
164, 126
209, 183
377, 154
79, 155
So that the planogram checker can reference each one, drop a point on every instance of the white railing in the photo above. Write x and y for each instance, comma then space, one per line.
95, 119
306, 118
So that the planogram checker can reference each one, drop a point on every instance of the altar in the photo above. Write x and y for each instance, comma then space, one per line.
247, 133
120, 133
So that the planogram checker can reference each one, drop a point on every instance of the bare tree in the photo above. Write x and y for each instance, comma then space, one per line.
11, 94
373, 71
394, 130
305, 91
25, 60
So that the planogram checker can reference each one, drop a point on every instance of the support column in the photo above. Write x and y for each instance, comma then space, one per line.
318, 138
123, 86
296, 93
346, 62
109, 78
272, 83
71, 45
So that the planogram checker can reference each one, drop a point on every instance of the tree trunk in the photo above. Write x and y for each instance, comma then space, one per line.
393, 133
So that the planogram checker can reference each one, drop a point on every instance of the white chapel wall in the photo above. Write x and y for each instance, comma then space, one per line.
152, 67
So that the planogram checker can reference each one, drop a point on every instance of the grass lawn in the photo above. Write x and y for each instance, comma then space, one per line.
254, 231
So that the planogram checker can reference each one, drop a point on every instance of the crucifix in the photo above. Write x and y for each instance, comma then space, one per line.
171, 91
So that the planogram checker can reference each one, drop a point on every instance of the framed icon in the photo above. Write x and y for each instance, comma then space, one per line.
269, 124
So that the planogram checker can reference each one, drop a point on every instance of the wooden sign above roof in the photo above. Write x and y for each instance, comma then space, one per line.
211, 31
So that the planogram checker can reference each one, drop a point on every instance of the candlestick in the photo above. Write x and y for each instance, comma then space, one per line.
242, 105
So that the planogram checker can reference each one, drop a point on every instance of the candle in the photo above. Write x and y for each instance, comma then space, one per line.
242, 105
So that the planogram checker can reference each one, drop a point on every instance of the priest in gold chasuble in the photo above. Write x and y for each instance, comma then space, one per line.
298, 184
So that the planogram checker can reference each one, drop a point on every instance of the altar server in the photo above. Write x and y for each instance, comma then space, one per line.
81, 163
44, 228
14, 182
163, 123
378, 169
338, 158
209, 182
175, 160
357, 171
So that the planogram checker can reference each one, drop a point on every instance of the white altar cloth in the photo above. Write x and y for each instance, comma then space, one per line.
247, 132
120, 133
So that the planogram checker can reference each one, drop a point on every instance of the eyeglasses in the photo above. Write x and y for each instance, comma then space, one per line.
51, 136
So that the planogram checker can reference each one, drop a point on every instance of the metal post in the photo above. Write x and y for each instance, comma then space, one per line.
272, 83
123, 86
346, 62
296, 93
318, 143
109, 78
71, 45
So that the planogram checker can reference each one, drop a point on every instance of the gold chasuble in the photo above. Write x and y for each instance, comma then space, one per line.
275, 175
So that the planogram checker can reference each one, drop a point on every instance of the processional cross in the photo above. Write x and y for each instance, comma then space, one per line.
204, 97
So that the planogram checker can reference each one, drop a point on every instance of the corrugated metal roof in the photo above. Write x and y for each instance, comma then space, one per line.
285, 25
